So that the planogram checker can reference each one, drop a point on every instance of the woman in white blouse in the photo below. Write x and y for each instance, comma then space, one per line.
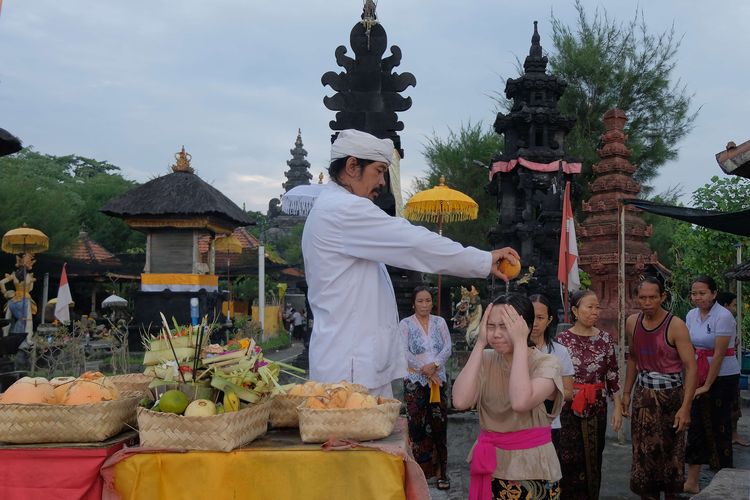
428, 347
712, 331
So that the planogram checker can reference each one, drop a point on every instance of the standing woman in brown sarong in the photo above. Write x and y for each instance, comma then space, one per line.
712, 331
584, 420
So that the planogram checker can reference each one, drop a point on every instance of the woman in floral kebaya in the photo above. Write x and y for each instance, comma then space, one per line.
584, 420
428, 347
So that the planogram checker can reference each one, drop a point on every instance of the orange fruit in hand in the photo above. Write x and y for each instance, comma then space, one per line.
508, 269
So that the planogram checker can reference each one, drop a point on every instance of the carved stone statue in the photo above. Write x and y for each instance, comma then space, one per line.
20, 308
468, 315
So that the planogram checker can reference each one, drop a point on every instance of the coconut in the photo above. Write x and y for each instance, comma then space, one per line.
369, 402
355, 400
338, 397
60, 386
91, 387
317, 403
297, 390
200, 408
29, 390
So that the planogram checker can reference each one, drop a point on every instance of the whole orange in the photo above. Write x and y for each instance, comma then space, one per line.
508, 269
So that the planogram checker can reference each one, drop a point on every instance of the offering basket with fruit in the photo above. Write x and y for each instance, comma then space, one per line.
236, 412
343, 413
85, 409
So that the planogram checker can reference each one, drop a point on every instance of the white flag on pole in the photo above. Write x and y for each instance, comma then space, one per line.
64, 299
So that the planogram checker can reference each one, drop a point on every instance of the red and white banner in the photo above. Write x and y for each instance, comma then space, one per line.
567, 270
64, 299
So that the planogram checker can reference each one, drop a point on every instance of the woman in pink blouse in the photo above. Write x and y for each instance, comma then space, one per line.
584, 420
428, 347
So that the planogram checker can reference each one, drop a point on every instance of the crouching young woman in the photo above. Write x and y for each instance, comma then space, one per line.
518, 392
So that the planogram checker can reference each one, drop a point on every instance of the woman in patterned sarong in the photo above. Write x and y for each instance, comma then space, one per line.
584, 420
428, 347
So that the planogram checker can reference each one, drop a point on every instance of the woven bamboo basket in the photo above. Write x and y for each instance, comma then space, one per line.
134, 382
360, 424
284, 407
90, 423
284, 410
223, 432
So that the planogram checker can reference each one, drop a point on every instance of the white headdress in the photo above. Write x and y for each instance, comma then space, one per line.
362, 145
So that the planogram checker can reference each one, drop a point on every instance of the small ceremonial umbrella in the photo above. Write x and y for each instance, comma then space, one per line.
25, 240
228, 245
300, 199
114, 301
441, 204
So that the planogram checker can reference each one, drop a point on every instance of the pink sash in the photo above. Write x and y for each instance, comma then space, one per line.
704, 365
484, 457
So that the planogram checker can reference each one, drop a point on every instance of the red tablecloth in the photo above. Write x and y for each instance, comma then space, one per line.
56, 471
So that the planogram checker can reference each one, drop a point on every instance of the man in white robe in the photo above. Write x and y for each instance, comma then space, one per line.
346, 243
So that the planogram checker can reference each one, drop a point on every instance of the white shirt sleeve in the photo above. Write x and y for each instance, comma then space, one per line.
726, 325
372, 234
566, 364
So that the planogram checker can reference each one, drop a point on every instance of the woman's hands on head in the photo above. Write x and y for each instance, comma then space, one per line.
515, 325
482, 337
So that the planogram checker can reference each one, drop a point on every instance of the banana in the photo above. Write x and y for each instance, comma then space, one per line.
231, 402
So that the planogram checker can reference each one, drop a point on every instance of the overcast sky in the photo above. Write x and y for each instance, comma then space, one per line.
233, 80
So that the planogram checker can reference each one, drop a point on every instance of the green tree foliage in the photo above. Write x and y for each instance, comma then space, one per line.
610, 64
456, 158
245, 288
261, 224
57, 194
698, 250
289, 246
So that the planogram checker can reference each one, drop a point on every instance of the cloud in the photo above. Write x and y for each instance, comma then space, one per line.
233, 80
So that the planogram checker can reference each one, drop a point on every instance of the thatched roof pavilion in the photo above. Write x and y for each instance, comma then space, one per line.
180, 199
176, 211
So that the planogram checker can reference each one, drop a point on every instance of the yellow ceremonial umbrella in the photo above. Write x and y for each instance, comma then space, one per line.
25, 240
441, 204
228, 245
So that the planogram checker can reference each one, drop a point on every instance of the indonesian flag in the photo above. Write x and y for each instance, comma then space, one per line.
567, 270
64, 299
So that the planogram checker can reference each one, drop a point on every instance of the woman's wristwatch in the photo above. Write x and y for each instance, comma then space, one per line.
437, 365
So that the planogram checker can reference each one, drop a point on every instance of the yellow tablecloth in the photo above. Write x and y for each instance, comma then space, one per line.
262, 474
277, 466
